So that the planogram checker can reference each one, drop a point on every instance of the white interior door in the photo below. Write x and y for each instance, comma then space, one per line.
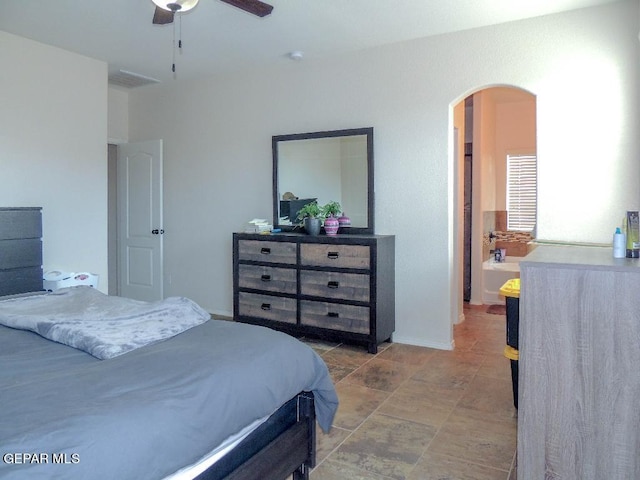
140, 220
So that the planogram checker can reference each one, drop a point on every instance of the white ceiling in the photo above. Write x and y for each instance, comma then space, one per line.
219, 38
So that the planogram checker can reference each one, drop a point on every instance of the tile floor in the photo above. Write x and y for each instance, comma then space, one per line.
417, 413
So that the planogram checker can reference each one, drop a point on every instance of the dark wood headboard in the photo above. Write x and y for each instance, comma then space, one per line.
20, 250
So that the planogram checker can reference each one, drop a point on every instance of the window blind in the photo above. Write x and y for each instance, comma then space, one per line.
521, 192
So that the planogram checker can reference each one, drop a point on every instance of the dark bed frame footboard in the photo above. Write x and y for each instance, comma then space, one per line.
283, 445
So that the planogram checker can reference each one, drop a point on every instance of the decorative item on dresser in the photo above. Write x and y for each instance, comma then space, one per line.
311, 216
331, 211
331, 225
344, 221
20, 250
338, 288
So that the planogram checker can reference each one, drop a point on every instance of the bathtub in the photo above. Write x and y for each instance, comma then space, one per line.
495, 275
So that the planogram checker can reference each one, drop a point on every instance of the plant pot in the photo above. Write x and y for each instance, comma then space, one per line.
331, 225
312, 225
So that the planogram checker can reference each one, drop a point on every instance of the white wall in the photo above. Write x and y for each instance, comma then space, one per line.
582, 66
53, 154
515, 135
118, 115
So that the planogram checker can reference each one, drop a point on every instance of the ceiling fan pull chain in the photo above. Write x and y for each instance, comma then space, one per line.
178, 43
173, 64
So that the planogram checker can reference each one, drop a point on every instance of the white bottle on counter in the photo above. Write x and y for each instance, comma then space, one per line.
619, 244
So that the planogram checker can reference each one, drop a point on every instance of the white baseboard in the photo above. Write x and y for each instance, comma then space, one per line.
422, 343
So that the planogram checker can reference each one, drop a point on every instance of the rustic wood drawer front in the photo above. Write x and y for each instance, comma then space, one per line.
348, 318
338, 256
280, 309
273, 252
272, 279
331, 285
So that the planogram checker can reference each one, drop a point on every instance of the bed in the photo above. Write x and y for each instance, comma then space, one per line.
216, 400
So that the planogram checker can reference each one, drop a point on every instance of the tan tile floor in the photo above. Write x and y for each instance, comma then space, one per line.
417, 413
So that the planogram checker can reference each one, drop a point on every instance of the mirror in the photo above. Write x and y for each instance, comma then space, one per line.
333, 166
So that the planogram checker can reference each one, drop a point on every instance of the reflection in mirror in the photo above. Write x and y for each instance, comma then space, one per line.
326, 167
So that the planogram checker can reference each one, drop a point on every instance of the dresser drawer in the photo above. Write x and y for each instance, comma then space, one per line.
339, 256
265, 251
26, 252
280, 309
272, 279
334, 316
21, 280
20, 223
332, 285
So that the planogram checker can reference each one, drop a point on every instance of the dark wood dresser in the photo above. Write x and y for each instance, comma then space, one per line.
338, 288
20, 250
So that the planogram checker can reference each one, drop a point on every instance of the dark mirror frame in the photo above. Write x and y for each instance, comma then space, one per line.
368, 131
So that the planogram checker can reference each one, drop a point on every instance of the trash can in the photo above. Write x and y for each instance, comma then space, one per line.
511, 292
512, 354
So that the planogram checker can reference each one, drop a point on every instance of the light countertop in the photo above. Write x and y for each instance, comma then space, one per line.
583, 257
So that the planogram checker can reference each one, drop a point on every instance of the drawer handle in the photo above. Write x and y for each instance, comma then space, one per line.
265, 250
333, 255
265, 306
333, 284
333, 314
266, 278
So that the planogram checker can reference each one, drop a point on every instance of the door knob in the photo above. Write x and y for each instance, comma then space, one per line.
155, 231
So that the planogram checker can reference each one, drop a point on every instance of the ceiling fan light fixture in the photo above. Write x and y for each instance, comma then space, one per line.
176, 5
296, 55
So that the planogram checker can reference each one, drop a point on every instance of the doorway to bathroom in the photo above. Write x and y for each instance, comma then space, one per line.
493, 123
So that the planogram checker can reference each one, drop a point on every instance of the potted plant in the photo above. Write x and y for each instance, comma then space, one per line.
311, 217
331, 211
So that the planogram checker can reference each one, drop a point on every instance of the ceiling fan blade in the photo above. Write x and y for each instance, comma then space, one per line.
255, 7
162, 17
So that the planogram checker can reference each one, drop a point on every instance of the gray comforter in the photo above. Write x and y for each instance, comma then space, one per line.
151, 411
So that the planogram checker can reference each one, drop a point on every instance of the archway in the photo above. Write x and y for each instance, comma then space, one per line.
492, 123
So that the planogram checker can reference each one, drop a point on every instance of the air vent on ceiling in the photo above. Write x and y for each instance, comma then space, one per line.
127, 79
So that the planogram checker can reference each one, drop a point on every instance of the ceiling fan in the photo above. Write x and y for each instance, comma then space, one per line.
166, 9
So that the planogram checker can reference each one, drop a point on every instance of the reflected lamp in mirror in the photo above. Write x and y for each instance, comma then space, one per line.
324, 166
